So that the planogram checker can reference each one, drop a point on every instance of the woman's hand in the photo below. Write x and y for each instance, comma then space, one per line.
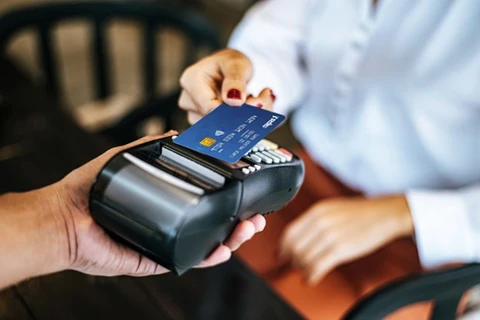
90, 250
337, 231
221, 77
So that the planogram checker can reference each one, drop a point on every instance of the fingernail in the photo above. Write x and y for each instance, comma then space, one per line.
273, 96
260, 105
234, 94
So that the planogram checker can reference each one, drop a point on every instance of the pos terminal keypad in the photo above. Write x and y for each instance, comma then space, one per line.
265, 153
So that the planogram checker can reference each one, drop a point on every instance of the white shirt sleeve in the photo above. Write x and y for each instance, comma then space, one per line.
447, 225
272, 35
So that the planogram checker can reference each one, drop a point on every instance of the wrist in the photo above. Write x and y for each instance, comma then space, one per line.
32, 235
402, 216
52, 236
62, 210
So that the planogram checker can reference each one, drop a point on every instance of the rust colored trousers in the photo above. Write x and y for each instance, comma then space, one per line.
343, 287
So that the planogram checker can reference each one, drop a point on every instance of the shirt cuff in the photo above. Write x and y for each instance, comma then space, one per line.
442, 229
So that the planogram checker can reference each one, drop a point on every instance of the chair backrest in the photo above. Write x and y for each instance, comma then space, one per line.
152, 16
443, 288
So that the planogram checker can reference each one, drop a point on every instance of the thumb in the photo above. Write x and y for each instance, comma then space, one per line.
236, 74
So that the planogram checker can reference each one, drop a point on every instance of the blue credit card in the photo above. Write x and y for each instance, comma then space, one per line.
228, 133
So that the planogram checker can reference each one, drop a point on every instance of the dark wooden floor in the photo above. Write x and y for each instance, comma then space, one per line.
39, 145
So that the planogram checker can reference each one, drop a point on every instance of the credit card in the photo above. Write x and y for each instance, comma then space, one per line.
228, 133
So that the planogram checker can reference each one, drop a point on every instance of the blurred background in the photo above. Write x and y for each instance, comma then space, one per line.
103, 110
73, 62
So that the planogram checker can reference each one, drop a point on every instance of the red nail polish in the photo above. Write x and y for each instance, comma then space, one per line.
273, 96
260, 105
234, 94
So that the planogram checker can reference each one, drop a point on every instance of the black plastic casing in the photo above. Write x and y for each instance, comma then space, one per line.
177, 228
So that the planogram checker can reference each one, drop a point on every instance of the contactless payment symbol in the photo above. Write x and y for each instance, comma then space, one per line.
207, 142
219, 133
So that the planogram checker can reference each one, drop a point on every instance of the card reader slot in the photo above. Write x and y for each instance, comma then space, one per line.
193, 168
210, 164
164, 176
174, 170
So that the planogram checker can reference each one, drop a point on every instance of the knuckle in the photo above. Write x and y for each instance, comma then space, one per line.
309, 256
182, 80
192, 117
186, 75
114, 150
331, 237
299, 256
241, 234
299, 248
337, 251
250, 226
203, 110
339, 248
288, 232
181, 98
227, 53
313, 268
233, 53
302, 262
182, 106
185, 102
295, 250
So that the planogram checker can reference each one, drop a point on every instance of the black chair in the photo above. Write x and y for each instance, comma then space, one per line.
443, 288
152, 16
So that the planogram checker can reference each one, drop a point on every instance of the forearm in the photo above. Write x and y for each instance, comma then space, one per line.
30, 233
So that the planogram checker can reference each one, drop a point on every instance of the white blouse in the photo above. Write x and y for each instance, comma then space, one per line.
386, 98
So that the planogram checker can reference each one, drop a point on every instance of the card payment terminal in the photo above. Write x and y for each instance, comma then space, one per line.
176, 206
